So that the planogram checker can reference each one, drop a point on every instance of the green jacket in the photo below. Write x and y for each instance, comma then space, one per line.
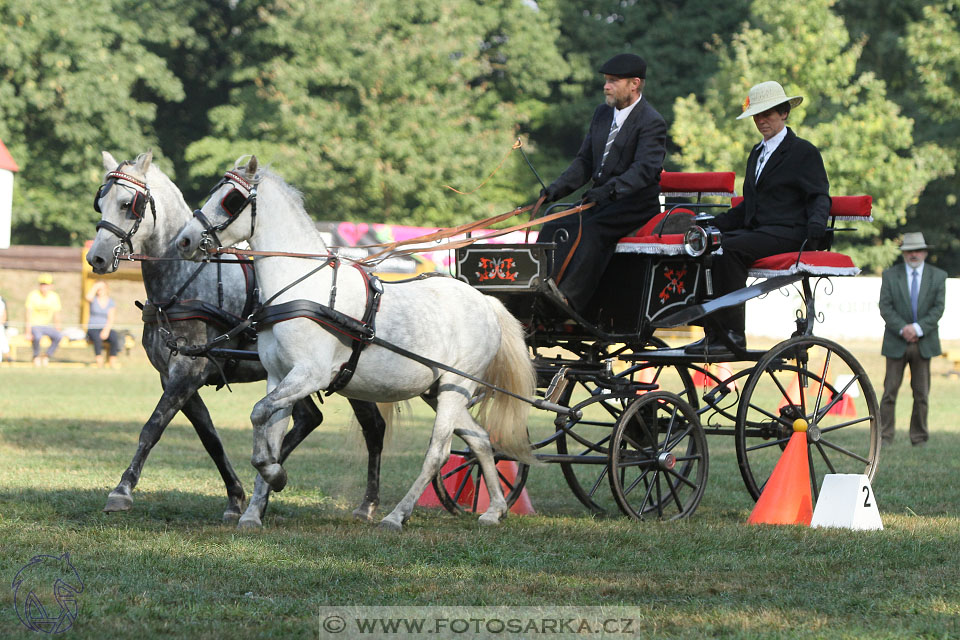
896, 311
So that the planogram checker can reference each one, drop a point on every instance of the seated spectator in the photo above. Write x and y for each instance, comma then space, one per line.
43, 318
103, 311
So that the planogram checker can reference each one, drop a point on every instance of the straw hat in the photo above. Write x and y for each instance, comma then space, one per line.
914, 241
45, 278
764, 96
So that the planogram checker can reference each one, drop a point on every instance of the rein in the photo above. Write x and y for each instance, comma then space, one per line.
440, 234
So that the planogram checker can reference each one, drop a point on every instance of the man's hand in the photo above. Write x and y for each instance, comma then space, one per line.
909, 333
600, 195
549, 194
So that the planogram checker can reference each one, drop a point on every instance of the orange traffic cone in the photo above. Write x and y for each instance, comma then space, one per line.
429, 497
645, 376
845, 407
721, 370
793, 393
507, 468
786, 499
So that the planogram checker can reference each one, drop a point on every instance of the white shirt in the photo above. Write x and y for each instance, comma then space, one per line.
767, 147
620, 115
919, 270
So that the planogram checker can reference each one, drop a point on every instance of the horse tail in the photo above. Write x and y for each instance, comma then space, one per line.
503, 416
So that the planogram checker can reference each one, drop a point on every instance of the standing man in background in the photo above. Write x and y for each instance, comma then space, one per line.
912, 298
623, 155
43, 318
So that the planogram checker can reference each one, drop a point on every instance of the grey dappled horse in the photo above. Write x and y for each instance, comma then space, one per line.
132, 222
439, 318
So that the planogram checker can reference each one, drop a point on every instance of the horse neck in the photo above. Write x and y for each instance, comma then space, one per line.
162, 279
283, 225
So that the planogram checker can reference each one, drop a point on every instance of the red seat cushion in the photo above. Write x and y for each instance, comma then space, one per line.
704, 183
827, 263
841, 207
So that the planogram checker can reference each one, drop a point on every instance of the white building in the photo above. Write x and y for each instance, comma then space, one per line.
7, 168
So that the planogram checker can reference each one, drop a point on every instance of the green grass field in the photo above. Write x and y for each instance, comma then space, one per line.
169, 568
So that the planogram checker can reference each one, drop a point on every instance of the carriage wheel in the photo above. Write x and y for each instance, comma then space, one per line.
588, 438
658, 458
837, 402
465, 478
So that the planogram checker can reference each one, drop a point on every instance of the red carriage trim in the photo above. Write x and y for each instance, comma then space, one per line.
818, 263
707, 183
842, 207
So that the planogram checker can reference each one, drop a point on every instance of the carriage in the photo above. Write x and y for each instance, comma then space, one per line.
641, 410
631, 411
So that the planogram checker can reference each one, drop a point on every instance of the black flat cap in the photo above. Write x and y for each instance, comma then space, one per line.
625, 65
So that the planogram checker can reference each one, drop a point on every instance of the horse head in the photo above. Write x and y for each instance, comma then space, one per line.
124, 203
232, 200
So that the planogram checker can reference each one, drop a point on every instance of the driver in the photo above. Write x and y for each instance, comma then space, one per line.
623, 155
786, 201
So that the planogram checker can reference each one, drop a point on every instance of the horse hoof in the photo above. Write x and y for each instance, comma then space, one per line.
489, 519
118, 502
390, 525
249, 523
230, 516
275, 475
365, 512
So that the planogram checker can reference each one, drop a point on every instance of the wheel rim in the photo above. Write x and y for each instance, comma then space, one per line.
821, 382
465, 479
658, 458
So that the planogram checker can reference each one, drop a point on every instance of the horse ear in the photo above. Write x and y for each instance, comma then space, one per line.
109, 162
143, 161
252, 166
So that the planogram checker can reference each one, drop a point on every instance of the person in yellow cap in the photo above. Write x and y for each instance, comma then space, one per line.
43, 318
786, 201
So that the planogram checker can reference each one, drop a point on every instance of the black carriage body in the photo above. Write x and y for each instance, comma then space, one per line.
638, 289
635, 291
513, 273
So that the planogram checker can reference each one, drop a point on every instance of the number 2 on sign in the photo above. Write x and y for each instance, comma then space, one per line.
866, 498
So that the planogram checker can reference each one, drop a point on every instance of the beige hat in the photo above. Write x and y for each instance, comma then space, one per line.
914, 241
764, 96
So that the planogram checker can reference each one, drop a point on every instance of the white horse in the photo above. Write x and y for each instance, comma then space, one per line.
142, 211
438, 318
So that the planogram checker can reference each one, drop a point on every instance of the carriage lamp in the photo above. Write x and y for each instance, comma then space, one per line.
699, 240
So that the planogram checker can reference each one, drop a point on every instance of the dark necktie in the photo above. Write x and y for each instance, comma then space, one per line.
760, 160
914, 293
610, 138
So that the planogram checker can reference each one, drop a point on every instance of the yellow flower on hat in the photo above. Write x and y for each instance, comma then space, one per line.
746, 104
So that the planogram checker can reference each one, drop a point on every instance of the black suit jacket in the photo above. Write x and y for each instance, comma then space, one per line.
792, 197
633, 167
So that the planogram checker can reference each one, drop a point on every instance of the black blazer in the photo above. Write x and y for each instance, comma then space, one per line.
636, 158
792, 197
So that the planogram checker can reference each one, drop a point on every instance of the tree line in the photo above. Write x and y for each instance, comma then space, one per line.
381, 111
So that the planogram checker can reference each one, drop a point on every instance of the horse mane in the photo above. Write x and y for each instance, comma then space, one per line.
265, 173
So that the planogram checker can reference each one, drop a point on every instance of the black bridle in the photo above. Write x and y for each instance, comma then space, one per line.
242, 193
135, 210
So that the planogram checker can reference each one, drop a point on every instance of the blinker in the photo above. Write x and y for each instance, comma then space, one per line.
233, 202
